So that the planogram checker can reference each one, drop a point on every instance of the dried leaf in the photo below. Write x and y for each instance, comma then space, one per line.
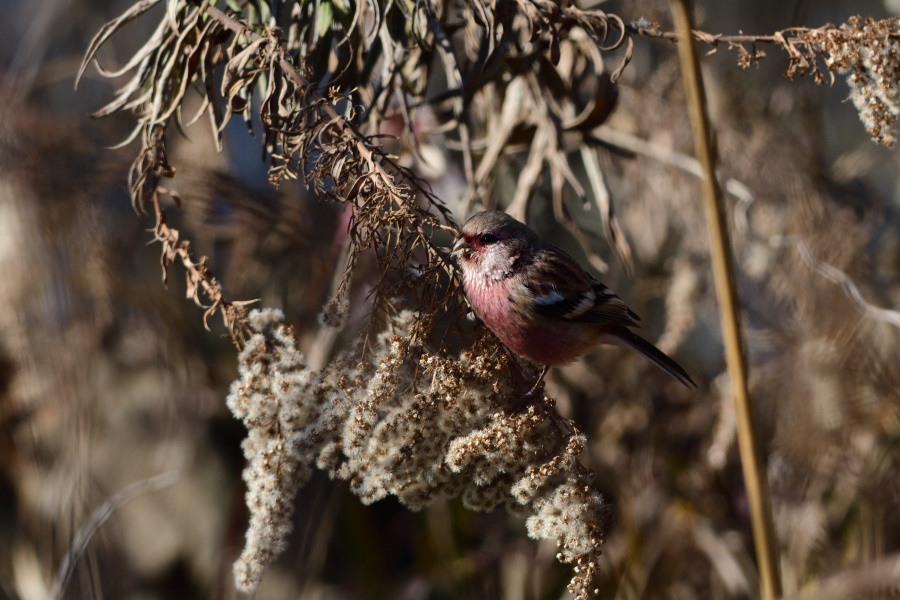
614, 233
109, 29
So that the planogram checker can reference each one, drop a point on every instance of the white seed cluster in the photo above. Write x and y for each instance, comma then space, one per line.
867, 51
409, 424
335, 312
289, 413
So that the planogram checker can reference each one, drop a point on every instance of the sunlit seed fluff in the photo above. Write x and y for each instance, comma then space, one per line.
867, 53
417, 429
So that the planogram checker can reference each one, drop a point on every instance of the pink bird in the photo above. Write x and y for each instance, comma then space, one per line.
539, 301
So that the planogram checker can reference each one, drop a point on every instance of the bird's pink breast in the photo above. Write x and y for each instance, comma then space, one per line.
537, 338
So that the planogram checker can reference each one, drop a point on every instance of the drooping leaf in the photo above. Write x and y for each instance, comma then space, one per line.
109, 29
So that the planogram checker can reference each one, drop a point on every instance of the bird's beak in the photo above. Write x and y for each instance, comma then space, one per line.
461, 247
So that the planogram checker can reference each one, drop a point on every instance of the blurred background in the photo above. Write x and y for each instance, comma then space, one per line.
120, 464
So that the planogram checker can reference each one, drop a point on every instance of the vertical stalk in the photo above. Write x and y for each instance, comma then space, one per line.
749, 444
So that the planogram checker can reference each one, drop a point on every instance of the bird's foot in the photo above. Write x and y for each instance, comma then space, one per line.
531, 395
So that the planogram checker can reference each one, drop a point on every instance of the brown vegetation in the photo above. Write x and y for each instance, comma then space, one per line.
400, 119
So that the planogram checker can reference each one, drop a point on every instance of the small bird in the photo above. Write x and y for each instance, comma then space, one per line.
539, 301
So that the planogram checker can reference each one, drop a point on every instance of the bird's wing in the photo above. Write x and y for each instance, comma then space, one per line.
566, 291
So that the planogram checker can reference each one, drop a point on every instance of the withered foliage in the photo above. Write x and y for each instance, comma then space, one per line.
530, 71
863, 49
349, 95
322, 78
866, 50
375, 61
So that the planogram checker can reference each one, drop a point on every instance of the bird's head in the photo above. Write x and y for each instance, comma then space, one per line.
492, 241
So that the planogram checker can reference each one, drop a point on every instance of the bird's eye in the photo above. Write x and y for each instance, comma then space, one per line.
488, 238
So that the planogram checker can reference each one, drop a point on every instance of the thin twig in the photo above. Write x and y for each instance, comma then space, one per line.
100, 515
752, 460
714, 40
198, 276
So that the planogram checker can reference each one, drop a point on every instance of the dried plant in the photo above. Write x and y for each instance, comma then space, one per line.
415, 428
509, 85
319, 139
863, 49
868, 53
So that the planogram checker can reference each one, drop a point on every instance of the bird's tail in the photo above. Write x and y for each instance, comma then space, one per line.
631, 340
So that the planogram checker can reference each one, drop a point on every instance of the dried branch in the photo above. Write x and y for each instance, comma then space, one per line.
863, 49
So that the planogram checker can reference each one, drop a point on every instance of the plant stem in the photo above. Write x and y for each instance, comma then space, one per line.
752, 460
